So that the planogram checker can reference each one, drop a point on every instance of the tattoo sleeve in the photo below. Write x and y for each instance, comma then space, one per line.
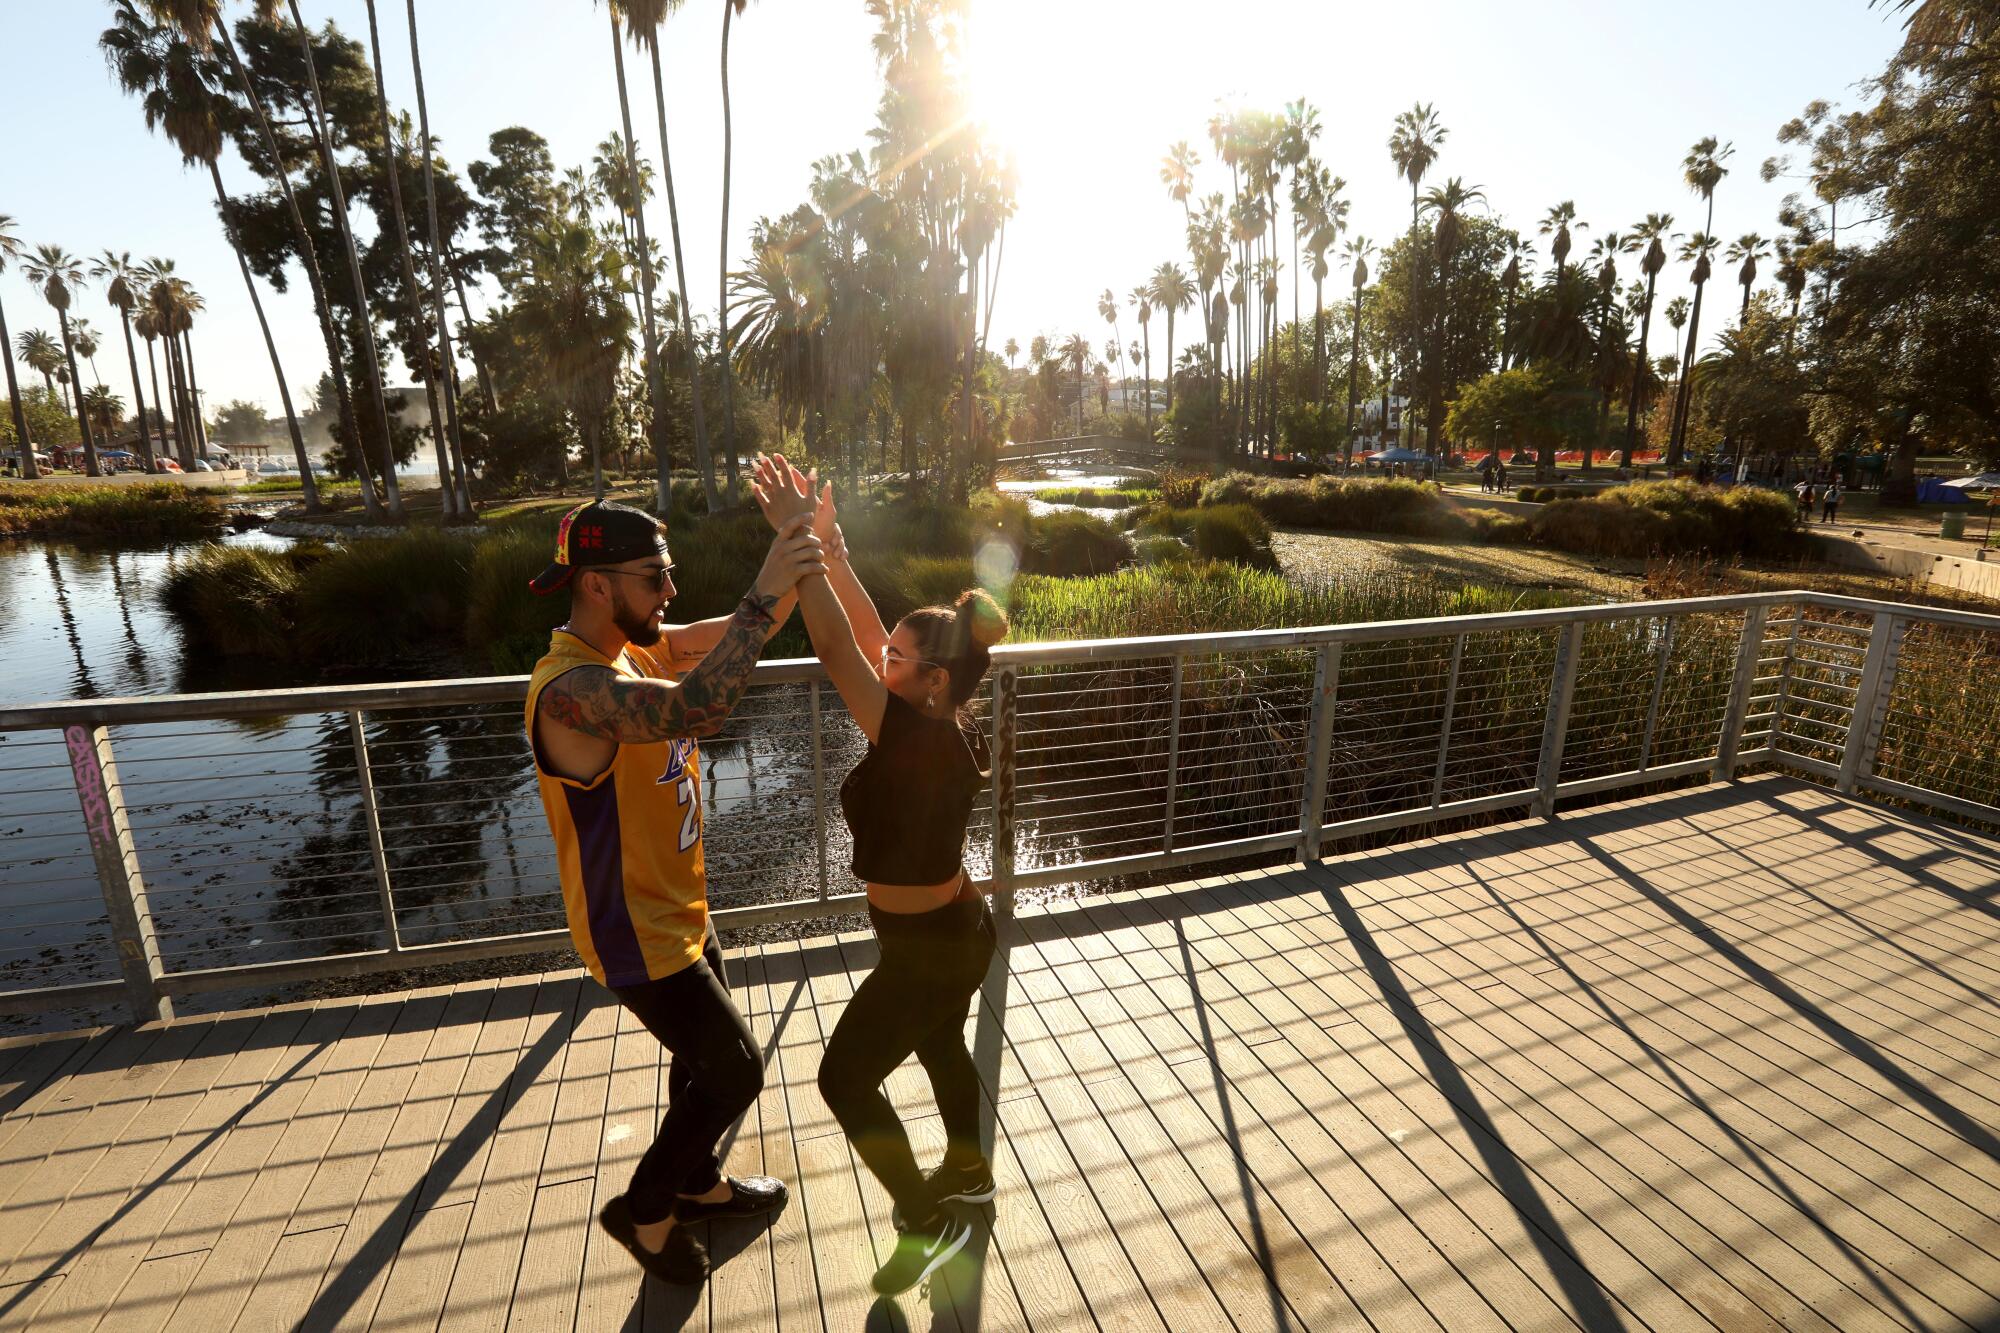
601, 703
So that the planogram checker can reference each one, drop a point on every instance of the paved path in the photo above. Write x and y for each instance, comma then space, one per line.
1718, 1059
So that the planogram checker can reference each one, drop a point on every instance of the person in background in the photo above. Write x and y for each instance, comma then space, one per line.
1830, 502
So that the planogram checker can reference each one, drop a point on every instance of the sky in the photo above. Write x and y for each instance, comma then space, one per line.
1561, 100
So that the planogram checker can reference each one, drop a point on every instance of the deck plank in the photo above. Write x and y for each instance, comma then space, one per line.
1724, 1057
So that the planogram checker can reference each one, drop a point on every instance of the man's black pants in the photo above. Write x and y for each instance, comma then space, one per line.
717, 1072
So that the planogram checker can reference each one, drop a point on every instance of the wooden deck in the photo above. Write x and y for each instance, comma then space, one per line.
1727, 1058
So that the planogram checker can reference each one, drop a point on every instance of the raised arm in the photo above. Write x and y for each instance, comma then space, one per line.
599, 703
864, 621
784, 492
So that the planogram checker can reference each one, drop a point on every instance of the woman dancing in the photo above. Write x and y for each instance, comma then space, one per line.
907, 804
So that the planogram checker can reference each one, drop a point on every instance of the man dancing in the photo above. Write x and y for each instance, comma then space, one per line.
615, 713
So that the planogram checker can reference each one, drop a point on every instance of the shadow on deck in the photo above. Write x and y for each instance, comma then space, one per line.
1722, 1058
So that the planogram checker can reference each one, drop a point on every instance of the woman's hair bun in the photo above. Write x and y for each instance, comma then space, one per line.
985, 621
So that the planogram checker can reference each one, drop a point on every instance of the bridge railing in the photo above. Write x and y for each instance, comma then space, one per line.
162, 847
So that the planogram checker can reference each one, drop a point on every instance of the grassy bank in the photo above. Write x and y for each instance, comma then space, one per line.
153, 510
1659, 518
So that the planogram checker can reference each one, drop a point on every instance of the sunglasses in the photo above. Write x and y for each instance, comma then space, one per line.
891, 653
657, 577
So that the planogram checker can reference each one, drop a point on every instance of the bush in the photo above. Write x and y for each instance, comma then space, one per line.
164, 509
503, 619
1234, 532
378, 599
1528, 494
1672, 518
1407, 508
1179, 489
240, 601
1163, 550
1073, 543
1090, 497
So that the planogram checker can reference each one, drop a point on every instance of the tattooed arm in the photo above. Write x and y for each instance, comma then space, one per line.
599, 703
688, 644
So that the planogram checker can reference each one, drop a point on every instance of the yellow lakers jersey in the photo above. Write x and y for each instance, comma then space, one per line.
628, 843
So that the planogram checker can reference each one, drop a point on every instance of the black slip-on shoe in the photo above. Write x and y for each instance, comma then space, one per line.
948, 1183
683, 1261
921, 1251
749, 1196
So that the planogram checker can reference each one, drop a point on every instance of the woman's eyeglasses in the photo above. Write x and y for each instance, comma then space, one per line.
890, 653
657, 577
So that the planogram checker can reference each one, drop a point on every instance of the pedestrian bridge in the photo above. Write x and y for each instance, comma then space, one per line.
1705, 1040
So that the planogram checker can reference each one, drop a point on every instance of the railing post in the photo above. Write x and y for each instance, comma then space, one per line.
1748, 652
1659, 687
1174, 750
1548, 766
819, 785
1003, 789
1785, 679
384, 892
1444, 728
1319, 751
1871, 700
103, 802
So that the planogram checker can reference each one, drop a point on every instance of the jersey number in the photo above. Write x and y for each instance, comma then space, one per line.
691, 818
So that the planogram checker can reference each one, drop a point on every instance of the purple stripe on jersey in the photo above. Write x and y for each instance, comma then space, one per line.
600, 854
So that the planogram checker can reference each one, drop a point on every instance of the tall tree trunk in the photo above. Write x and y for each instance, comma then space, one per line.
159, 403
1353, 378
656, 375
1146, 341
307, 483
309, 258
445, 360
138, 387
27, 446
392, 170
722, 331
1319, 342
593, 429
364, 319
704, 463
1170, 367
1632, 404
1677, 442
960, 471
465, 315
83, 418
177, 386
194, 394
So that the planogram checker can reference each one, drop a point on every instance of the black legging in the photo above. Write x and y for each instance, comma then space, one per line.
717, 1072
914, 1002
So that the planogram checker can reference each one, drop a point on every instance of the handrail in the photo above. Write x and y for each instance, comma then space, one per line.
1112, 757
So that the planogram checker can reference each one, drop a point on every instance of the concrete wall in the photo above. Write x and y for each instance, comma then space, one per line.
1965, 573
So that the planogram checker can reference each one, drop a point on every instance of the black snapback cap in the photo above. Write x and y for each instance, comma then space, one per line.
599, 533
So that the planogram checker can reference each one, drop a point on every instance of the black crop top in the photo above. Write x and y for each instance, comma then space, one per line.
908, 801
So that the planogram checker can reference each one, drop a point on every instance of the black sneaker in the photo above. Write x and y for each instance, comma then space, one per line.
683, 1260
921, 1251
955, 1184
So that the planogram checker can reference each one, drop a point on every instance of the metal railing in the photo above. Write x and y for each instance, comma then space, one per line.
162, 847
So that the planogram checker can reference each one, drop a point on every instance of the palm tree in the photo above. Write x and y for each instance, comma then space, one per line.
1556, 224
173, 304
1142, 304
160, 66
1604, 252
445, 361
1076, 349
56, 271
87, 344
202, 29
1012, 349
1700, 250
115, 269
43, 354
10, 249
364, 319
644, 20
1413, 147
1107, 306
1170, 289
1653, 233
1747, 249
104, 408
1177, 174
145, 323
573, 311
1324, 218
1511, 278
1295, 140
392, 168
1448, 204
1357, 254
730, 9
